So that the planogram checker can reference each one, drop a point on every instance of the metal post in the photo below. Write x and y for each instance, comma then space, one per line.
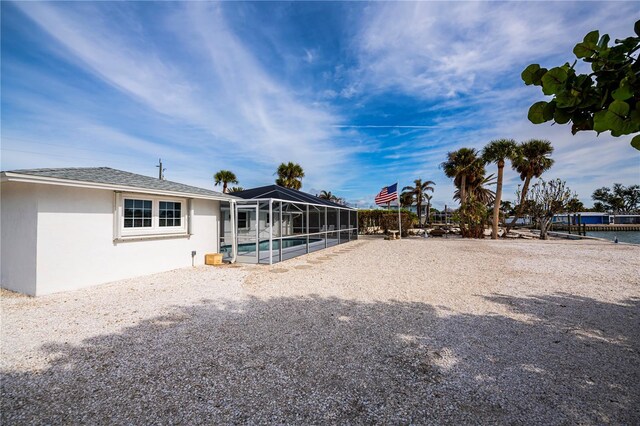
270, 232
338, 214
349, 227
307, 227
280, 244
326, 228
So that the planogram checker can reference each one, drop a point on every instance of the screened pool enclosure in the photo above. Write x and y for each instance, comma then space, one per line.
275, 224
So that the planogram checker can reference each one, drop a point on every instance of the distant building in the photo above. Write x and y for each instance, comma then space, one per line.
596, 218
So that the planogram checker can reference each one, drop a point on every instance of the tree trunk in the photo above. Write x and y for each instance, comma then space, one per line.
545, 224
419, 212
463, 190
523, 196
224, 187
496, 204
463, 201
429, 212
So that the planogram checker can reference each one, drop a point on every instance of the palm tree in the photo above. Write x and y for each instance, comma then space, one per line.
477, 189
327, 195
428, 199
507, 209
290, 175
463, 165
532, 160
236, 189
499, 151
224, 177
419, 191
406, 199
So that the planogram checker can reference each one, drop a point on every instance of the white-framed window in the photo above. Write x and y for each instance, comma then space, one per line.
143, 215
170, 213
138, 213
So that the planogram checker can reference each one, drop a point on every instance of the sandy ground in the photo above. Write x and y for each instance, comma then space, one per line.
412, 331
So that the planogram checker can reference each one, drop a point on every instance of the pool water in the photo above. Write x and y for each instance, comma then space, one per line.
264, 245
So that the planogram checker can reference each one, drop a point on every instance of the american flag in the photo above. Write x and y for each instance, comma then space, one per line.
387, 195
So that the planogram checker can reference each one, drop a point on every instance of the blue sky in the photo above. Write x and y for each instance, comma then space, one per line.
360, 94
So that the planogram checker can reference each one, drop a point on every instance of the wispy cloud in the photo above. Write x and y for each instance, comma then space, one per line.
438, 49
362, 95
221, 89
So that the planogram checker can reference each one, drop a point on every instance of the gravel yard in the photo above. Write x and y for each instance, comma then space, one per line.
412, 331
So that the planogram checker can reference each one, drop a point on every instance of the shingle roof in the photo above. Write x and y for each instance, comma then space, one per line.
109, 176
282, 193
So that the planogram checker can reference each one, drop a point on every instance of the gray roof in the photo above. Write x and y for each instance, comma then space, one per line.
282, 193
109, 176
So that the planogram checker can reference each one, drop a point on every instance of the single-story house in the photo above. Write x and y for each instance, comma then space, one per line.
69, 228
63, 229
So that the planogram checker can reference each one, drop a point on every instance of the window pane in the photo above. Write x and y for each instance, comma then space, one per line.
138, 213
177, 207
176, 221
163, 222
163, 205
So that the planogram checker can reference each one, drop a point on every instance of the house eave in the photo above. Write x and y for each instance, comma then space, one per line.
18, 177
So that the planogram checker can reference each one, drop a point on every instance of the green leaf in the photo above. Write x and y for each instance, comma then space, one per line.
561, 116
529, 73
600, 121
622, 93
585, 50
636, 28
615, 118
553, 80
635, 142
626, 127
566, 99
548, 110
619, 108
537, 113
604, 40
592, 37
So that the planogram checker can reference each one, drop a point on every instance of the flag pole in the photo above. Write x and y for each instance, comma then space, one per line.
399, 221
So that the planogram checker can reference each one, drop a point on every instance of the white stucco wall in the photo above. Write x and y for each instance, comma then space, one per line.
18, 228
75, 246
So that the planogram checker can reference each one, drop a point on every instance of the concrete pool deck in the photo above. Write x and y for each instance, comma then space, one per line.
373, 331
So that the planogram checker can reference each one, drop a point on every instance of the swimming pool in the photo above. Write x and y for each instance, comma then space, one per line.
264, 245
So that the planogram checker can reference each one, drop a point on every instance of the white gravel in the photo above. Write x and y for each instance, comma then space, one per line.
411, 331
